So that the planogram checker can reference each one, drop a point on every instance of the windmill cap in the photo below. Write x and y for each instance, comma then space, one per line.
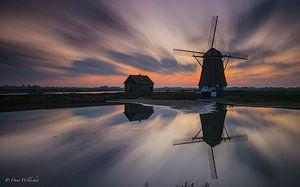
212, 52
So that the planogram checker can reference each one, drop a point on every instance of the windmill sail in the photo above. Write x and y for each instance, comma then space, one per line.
187, 140
237, 55
212, 163
242, 137
213, 29
190, 53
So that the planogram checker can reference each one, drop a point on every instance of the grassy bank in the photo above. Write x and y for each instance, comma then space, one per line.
45, 101
288, 99
285, 99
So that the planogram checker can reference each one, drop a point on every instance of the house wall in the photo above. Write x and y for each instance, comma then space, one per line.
135, 88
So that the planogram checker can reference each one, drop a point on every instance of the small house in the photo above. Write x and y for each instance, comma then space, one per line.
138, 84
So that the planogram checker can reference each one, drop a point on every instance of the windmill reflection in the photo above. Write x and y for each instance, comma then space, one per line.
137, 112
214, 133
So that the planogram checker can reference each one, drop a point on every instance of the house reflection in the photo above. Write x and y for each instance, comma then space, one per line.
137, 112
214, 133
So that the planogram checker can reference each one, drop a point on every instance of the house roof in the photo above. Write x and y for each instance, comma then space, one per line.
138, 79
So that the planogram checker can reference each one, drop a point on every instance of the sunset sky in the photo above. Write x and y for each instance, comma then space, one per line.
99, 42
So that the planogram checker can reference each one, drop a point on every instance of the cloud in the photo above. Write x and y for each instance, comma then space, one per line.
148, 63
278, 18
89, 26
21, 64
269, 33
92, 67
46, 39
250, 21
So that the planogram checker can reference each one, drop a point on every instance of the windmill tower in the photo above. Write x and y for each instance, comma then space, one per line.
214, 133
212, 79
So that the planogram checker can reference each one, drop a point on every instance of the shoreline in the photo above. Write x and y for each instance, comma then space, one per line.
191, 104
253, 104
180, 100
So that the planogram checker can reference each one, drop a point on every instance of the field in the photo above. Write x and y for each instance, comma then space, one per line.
279, 98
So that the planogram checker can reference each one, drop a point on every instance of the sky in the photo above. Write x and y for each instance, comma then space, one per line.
100, 42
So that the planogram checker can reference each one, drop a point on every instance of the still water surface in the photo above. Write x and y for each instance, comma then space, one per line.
132, 145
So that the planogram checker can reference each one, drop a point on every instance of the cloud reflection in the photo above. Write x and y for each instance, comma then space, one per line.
100, 145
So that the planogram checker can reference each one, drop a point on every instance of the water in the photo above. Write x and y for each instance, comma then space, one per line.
133, 146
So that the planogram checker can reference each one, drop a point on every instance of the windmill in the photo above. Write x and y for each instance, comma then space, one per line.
212, 79
214, 133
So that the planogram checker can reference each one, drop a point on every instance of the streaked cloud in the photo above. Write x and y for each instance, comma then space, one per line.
92, 67
150, 64
55, 42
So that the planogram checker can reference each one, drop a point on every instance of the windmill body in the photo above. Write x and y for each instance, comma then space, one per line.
212, 75
212, 79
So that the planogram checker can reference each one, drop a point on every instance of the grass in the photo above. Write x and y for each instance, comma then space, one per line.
262, 96
288, 99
